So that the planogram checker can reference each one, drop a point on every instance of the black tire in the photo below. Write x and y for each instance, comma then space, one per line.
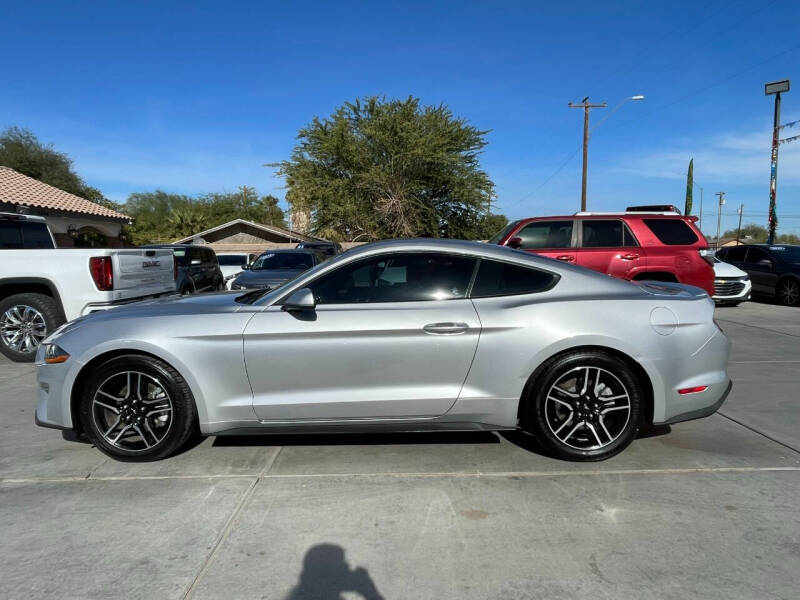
787, 292
181, 429
543, 417
45, 306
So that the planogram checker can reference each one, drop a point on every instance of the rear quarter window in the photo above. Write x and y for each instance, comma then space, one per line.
497, 278
672, 232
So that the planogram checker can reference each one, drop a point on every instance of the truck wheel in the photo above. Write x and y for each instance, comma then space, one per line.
25, 320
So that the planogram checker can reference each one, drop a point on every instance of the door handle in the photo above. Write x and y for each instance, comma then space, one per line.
566, 258
629, 256
445, 328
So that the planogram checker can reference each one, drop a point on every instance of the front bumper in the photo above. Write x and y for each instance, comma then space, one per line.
731, 290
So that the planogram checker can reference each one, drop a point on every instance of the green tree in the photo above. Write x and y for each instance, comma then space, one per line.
757, 234
687, 210
380, 168
23, 152
163, 217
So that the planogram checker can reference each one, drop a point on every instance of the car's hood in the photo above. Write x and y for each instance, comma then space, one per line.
723, 269
265, 277
219, 302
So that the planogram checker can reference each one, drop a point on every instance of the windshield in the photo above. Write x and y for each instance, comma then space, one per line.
232, 260
283, 260
789, 254
495, 239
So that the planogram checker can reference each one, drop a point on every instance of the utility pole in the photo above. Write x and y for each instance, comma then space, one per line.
584, 104
739, 229
719, 214
700, 218
775, 88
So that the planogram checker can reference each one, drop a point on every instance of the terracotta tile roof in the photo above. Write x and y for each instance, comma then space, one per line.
19, 189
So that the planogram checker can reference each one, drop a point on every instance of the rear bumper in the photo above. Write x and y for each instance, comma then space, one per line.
701, 412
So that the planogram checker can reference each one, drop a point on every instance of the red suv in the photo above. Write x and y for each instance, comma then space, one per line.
659, 245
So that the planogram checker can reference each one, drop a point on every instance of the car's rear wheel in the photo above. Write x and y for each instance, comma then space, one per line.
25, 320
137, 408
788, 292
584, 406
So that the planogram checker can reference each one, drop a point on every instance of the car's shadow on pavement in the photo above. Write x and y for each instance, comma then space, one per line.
519, 438
359, 439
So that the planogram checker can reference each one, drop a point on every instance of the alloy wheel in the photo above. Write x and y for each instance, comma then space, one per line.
789, 292
22, 328
587, 408
132, 411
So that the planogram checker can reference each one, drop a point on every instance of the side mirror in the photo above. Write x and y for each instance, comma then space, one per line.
514, 242
245, 267
302, 299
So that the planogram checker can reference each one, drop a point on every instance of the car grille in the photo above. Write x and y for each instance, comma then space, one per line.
728, 287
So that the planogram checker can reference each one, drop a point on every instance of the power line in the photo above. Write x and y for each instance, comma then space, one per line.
706, 88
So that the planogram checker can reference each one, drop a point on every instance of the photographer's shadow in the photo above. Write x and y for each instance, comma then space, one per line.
326, 575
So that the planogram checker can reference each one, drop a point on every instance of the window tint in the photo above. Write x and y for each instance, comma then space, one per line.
232, 260
754, 255
497, 278
627, 237
209, 256
736, 254
402, 277
672, 232
546, 234
10, 235
35, 235
283, 260
602, 234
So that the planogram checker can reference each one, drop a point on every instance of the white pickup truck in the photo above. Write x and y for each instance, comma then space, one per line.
42, 287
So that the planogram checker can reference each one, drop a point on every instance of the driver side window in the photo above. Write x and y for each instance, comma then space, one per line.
399, 277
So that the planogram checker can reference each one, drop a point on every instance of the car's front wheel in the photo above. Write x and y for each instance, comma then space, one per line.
584, 406
137, 408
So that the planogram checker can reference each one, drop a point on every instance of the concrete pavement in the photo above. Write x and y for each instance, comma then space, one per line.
707, 509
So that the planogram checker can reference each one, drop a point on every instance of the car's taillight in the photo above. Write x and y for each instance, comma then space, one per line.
174, 269
707, 255
102, 273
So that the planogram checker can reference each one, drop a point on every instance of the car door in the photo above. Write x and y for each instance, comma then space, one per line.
761, 268
391, 336
608, 246
551, 238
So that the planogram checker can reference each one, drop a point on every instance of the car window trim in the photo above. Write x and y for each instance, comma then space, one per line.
574, 238
326, 272
556, 277
622, 241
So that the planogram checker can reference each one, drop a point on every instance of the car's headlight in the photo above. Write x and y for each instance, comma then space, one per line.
54, 354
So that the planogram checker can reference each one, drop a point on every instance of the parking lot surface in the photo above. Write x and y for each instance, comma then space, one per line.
704, 509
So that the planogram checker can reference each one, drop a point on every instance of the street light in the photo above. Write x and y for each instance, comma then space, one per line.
584, 104
775, 88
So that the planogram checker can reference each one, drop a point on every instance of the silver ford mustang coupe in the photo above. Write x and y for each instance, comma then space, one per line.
414, 335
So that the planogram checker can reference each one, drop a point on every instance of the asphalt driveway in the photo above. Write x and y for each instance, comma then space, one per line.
708, 509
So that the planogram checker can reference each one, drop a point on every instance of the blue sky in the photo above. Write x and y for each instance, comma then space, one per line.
194, 97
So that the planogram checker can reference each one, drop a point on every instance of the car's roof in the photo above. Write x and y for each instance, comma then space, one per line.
178, 246
769, 246
448, 245
289, 251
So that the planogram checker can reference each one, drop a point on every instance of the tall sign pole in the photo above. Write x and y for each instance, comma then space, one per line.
775, 88
719, 214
